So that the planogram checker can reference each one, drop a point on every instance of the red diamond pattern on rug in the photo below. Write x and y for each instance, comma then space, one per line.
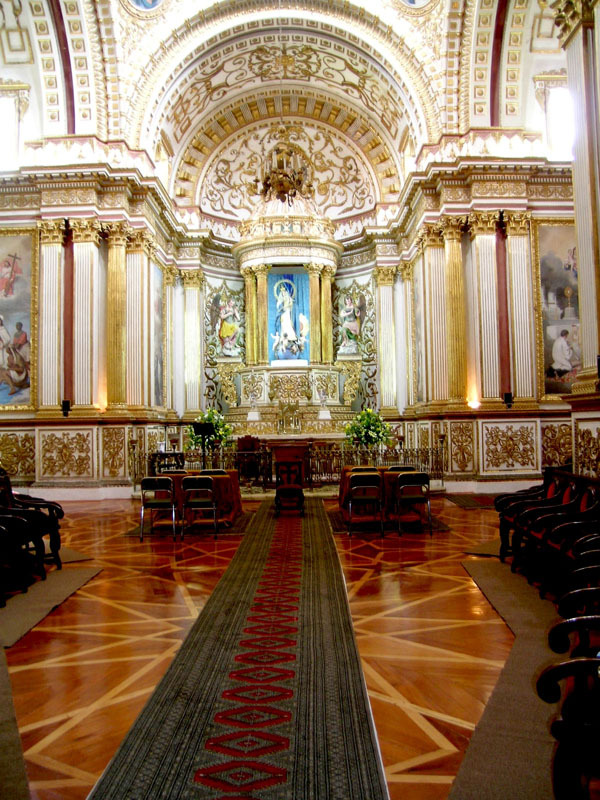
258, 700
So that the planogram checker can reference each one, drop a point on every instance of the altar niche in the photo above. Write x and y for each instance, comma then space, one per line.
289, 316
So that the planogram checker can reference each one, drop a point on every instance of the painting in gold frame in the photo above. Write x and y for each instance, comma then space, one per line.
18, 318
557, 317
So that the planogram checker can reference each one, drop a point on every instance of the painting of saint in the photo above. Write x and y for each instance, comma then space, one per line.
288, 323
15, 319
352, 316
225, 318
560, 306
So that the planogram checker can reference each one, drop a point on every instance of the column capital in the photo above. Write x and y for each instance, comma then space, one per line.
483, 222
452, 228
171, 275
430, 236
141, 239
52, 231
328, 271
314, 268
517, 223
406, 270
261, 269
85, 231
247, 274
385, 276
192, 278
570, 15
117, 233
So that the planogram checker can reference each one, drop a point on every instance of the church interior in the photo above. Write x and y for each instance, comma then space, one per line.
285, 214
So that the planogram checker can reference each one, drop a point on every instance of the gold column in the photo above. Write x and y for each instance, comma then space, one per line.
384, 278
456, 323
251, 321
326, 314
314, 271
116, 319
262, 302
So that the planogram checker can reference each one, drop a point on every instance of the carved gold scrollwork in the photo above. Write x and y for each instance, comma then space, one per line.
290, 387
252, 387
570, 14
226, 374
51, 231
326, 386
507, 447
351, 371
192, 278
462, 446
17, 453
67, 454
588, 451
113, 451
557, 445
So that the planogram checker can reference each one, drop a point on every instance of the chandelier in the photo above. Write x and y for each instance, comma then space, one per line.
284, 175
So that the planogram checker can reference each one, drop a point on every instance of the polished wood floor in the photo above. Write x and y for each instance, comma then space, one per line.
432, 647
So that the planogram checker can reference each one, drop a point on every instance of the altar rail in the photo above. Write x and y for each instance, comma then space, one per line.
323, 461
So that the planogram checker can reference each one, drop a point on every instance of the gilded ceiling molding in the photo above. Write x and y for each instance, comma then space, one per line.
466, 76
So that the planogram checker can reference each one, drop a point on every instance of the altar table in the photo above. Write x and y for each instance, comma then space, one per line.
226, 490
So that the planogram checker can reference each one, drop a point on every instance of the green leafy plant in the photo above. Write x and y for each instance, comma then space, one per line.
368, 429
221, 435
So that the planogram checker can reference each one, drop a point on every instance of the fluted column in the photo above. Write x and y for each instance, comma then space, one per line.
483, 234
326, 314
404, 338
456, 321
432, 244
171, 275
50, 327
386, 339
87, 298
139, 248
251, 322
314, 272
116, 319
576, 25
520, 300
193, 281
262, 302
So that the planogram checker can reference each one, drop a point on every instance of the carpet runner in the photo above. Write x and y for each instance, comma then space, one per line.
265, 699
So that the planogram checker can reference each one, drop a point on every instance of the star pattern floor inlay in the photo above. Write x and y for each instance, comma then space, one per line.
431, 645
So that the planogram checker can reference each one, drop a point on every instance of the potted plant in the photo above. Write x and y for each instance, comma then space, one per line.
368, 429
222, 431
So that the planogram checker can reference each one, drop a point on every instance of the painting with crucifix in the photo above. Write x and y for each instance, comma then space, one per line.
15, 319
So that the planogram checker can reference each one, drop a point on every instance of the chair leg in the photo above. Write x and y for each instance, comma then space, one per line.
350, 518
216, 523
174, 528
429, 514
142, 525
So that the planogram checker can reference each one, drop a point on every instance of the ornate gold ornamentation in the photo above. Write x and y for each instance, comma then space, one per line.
289, 387
117, 233
385, 276
141, 240
85, 230
509, 446
496, 188
452, 228
52, 231
557, 444
462, 447
192, 278
351, 371
67, 454
17, 454
483, 222
423, 436
570, 15
517, 223
252, 387
171, 275
430, 236
154, 437
226, 374
326, 386
113, 451
588, 451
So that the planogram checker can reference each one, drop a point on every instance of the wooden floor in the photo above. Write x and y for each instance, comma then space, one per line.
432, 647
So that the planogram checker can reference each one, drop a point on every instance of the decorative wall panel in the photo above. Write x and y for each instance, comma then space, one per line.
509, 447
17, 453
557, 443
462, 447
114, 452
587, 447
69, 455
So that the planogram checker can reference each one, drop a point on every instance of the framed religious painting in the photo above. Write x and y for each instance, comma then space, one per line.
18, 318
557, 314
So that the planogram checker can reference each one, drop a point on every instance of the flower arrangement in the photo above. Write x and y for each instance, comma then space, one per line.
368, 429
222, 432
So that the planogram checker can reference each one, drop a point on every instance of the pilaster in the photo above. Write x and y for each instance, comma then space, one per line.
314, 273
251, 322
116, 319
327, 314
432, 244
50, 327
386, 337
520, 299
456, 321
193, 281
262, 302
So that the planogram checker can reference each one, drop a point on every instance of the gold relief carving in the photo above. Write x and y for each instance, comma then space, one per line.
141, 240
423, 437
326, 386
261, 270
328, 271
314, 269
385, 276
588, 451
69, 197
430, 236
113, 451
226, 373
547, 191
384, 249
570, 15
153, 437
85, 230
557, 445
193, 254
462, 447
117, 233
351, 371
455, 194
17, 453
192, 278
252, 387
493, 188
506, 447
14, 201
483, 222
452, 228
406, 270
517, 223
171, 275
289, 387
67, 454
52, 231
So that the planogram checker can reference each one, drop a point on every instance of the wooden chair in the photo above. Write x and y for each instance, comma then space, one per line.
158, 494
42, 515
289, 493
214, 472
17, 564
412, 489
198, 499
364, 498
402, 468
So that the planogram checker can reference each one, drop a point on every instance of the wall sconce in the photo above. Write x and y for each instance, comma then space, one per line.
508, 399
66, 407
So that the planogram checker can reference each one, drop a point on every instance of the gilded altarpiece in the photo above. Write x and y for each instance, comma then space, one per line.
225, 328
18, 318
354, 338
